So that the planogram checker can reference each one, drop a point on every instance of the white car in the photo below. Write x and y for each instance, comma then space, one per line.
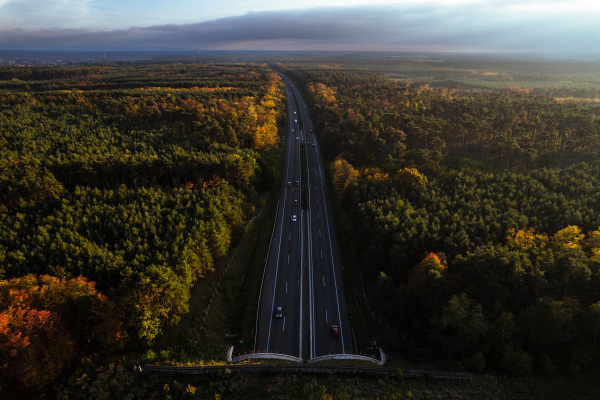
294, 218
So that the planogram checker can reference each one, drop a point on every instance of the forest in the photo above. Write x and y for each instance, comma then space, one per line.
121, 186
472, 210
466, 193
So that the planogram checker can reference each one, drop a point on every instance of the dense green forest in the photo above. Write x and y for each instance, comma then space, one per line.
472, 210
128, 183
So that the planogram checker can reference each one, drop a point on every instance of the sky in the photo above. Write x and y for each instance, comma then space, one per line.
512, 26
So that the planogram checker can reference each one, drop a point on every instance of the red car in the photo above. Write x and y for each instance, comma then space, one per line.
335, 331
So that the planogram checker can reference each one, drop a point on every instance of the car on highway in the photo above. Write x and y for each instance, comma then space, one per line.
313, 145
289, 184
292, 130
294, 219
335, 331
278, 312
295, 121
297, 183
297, 138
295, 202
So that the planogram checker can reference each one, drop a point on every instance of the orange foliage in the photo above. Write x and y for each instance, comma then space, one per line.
42, 319
34, 347
434, 258
432, 267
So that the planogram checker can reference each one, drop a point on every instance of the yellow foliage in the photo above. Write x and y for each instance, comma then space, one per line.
595, 255
411, 177
343, 173
526, 239
569, 237
322, 94
593, 239
376, 174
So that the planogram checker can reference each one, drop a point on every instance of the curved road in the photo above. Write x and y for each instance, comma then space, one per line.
303, 271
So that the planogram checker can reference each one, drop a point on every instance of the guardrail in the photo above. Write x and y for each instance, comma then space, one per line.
345, 357
303, 368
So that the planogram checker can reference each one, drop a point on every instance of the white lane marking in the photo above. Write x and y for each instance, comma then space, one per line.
326, 320
277, 264
290, 237
288, 258
284, 324
263, 282
333, 271
319, 233
323, 280
322, 173
321, 254
286, 286
318, 215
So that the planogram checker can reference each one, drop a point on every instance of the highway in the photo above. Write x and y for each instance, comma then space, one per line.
303, 271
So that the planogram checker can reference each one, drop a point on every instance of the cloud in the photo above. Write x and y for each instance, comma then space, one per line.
33, 13
477, 26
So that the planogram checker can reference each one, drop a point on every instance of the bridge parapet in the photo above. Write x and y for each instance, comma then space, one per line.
285, 357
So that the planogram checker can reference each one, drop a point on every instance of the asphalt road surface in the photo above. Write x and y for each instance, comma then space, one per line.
303, 271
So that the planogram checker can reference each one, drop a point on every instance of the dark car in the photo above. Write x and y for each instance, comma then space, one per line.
297, 183
289, 184
335, 331
295, 202
278, 312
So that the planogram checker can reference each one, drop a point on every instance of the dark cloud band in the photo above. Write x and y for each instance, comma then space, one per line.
414, 27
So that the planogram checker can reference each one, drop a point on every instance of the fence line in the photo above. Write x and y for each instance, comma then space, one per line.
232, 257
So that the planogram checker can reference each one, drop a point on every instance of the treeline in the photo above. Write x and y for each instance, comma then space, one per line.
485, 259
368, 118
136, 191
